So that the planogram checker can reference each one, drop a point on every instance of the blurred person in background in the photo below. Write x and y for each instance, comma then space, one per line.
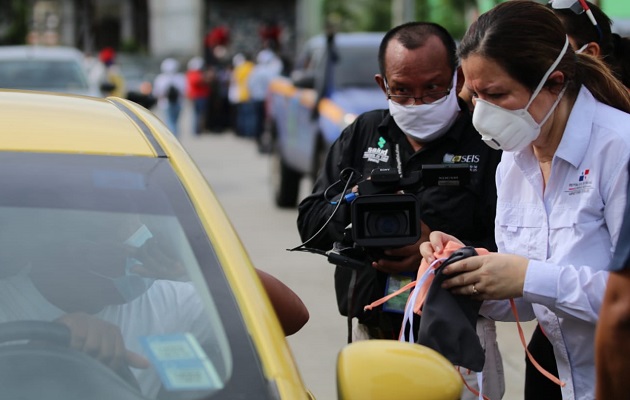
244, 120
169, 88
268, 66
107, 74
215, 45
594, 37
198, 90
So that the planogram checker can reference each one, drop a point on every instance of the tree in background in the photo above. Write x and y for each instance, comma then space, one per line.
376, 15
13, 22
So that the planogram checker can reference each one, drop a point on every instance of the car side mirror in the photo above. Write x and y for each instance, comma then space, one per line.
303, 79
382, 369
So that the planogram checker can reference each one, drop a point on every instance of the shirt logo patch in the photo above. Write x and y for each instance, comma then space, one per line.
583, 184
376, 155
381, 142
471, 159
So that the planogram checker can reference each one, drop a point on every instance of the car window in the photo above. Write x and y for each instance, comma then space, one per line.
118, 239
39, 74
356, 67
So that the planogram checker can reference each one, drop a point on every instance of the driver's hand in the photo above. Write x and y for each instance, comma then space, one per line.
101, 340
157, 261
404, 259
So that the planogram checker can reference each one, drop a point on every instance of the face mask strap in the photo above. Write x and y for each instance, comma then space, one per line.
581, 49
553, 107
549, 71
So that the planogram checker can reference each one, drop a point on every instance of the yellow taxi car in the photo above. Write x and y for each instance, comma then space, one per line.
122, 278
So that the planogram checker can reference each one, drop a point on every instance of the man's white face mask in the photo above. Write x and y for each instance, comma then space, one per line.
512, 130
426, 122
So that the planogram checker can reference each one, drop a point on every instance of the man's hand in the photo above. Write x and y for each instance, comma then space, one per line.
101, 340
157, 262
404, 259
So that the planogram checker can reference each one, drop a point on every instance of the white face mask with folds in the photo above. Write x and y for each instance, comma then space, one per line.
427, 122
513, 130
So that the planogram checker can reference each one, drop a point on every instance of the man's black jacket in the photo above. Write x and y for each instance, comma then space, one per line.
374, 140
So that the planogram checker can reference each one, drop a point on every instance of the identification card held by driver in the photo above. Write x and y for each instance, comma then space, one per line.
395, 282
180, 362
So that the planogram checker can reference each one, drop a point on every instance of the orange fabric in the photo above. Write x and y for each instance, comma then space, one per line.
424, 290
445, 253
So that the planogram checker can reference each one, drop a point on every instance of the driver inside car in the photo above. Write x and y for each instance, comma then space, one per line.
108, 294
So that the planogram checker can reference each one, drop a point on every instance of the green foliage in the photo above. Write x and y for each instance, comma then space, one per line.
13, 22
376, 15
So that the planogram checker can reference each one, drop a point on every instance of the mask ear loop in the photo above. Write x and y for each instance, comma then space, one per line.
549, 71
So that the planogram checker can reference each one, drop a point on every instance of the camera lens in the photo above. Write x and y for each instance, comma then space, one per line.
387, 224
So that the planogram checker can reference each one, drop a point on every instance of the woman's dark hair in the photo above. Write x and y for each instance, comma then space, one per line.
413, 35
525, 37
615, 50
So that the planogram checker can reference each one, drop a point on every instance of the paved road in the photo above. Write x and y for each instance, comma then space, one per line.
239, 177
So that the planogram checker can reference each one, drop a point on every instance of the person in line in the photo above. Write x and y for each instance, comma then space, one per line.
561, 120
426, 123
169, 88
268, 66
107, 74
197, 91
599, 41
244, 120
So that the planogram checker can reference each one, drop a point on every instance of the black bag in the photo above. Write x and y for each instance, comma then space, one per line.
172, 94
448, 322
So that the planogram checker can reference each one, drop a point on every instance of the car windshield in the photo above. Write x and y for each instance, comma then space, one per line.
117, 239
33, 74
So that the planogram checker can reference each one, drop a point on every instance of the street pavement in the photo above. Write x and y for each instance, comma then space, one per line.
239, 176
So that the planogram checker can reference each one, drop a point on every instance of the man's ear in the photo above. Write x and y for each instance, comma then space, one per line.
380, 81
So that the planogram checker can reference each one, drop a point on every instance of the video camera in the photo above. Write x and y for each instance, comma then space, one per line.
383, 217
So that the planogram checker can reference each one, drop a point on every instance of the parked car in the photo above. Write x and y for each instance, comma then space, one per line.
57, 69
308, 111
107, 227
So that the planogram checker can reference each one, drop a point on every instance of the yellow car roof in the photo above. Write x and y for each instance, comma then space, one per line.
50, 122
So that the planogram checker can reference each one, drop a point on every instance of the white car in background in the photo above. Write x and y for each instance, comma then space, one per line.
52, 69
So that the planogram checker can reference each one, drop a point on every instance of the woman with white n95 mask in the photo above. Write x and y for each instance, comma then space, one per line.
561, 119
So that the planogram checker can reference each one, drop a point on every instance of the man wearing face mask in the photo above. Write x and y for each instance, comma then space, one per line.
426, 123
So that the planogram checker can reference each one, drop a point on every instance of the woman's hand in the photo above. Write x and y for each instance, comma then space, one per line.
490, 277
436, 243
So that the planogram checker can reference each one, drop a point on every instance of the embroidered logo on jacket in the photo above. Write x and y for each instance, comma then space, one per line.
583, 184
376, 155
471, 159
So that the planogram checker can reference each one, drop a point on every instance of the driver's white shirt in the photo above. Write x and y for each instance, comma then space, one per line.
167, 307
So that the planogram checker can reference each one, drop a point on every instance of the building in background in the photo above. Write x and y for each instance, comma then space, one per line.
159, 28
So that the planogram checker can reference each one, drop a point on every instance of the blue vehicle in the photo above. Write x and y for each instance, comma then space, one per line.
332, 83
